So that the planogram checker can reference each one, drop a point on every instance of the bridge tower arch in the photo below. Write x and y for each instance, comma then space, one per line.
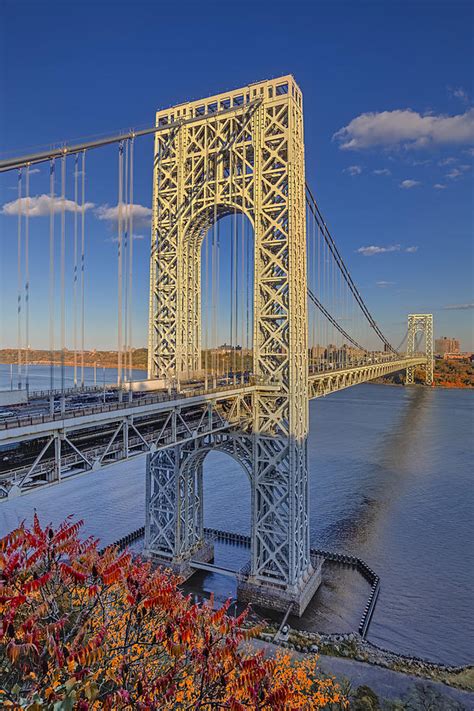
244, 150
420, 323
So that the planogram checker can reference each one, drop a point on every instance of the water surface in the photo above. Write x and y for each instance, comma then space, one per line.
390, 481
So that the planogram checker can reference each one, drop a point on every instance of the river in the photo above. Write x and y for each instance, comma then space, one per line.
390, 481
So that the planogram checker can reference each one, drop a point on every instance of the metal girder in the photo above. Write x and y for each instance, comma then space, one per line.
125, 433
420, 323
174, 486
327, 382
252, 162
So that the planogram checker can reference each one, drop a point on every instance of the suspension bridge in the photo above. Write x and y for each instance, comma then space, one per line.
296, 324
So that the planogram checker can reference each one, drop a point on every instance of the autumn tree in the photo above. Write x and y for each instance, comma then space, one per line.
80, 629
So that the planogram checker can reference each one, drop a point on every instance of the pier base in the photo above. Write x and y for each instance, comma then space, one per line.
203, 552
276, 598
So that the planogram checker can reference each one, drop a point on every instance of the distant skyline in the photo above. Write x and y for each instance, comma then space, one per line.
389, 133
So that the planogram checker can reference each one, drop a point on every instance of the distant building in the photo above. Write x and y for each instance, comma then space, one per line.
226, 348
446, 345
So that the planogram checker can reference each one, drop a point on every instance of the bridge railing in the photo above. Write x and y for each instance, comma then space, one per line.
25, 420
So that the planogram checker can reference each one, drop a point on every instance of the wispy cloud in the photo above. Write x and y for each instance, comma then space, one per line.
407, 128
458, 307
447, 161
384, 284
353, 170
41, 206
373, 249
407, 184
439, 186
34, 171
457, 172
140, 213
459, 93
382, 171
376, 249
470, 152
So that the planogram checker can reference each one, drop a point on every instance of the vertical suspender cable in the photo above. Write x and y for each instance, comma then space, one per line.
130, 265
314, 350
20, 205
63, 282
83, 246
232, 242
51, 281
125, 269
119, 267
27, 279
242, 290
74, 284
236, 297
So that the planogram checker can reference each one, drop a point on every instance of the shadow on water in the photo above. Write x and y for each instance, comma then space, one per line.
385, 473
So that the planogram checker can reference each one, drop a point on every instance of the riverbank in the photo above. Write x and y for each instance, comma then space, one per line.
349, 646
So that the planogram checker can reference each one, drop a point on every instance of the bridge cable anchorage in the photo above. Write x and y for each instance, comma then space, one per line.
345, 272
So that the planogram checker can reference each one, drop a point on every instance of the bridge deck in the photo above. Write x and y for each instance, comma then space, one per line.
42, 449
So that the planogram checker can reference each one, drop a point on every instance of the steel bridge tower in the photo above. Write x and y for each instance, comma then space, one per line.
238, 151
420, 323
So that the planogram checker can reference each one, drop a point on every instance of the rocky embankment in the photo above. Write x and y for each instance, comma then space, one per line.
353, 646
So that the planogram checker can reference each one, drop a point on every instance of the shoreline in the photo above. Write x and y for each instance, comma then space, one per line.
351, 646
70, 364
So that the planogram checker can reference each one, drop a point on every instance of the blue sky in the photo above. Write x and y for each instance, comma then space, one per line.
389, 131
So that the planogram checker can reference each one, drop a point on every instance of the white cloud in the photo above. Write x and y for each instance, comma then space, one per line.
375, 249
407, 184
33, 171
447, 161
470, 152
439, 186
140, 213
384, 284
458, 307
457, 172
353, 170
40, 206
459, 93
405, 127
382, 171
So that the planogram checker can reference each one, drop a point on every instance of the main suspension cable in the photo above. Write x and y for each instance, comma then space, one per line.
340, 262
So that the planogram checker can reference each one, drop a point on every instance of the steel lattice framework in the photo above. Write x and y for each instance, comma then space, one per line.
246, 153
242, 151
420, 323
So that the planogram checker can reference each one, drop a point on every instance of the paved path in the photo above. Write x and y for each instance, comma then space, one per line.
386, 683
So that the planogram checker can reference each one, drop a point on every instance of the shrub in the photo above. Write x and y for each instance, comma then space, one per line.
85, 630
